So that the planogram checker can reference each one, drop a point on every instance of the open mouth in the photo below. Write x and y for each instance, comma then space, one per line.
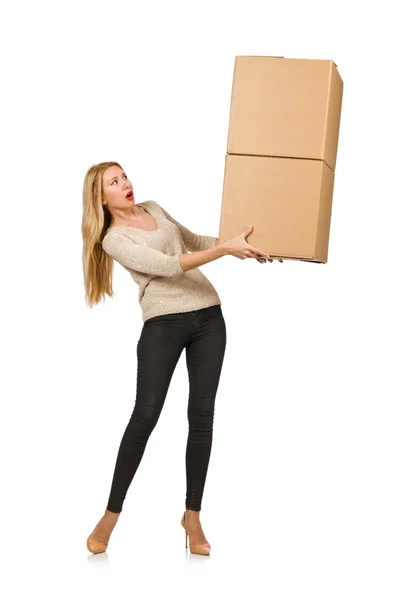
129, 195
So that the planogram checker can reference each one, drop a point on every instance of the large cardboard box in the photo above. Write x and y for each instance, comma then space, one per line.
281, 155
287, 200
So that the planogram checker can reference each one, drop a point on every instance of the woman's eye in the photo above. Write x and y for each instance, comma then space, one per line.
116, 179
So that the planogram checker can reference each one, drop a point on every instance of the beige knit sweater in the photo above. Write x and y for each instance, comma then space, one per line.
151, 258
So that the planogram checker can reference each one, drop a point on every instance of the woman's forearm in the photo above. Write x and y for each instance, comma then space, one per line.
196, 259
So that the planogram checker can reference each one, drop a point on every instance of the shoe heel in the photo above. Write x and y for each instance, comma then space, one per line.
185, 539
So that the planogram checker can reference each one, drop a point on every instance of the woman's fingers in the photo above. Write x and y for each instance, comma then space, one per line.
260, 255
261, 259
257, 252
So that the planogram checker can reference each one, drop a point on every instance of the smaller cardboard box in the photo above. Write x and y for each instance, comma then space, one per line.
287, 200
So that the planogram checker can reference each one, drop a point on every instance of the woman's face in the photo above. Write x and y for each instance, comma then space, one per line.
116, 186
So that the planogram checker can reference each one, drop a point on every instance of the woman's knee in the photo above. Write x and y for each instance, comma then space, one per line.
201, 420
142, 422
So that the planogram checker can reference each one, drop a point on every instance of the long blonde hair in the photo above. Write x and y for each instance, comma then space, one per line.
97, 265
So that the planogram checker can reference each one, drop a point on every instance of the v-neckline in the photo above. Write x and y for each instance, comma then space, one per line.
138, 228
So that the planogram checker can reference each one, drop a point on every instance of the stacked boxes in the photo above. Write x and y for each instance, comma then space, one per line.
281, 155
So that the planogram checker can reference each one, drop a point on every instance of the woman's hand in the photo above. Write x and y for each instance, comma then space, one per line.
239, 248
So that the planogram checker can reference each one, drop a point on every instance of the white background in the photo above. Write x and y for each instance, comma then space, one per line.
300, 499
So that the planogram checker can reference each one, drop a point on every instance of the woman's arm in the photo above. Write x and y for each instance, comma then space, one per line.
201, 257
147, 260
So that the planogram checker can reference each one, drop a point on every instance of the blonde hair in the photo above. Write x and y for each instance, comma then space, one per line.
97, 265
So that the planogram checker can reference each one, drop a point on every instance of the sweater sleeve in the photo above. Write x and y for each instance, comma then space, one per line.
140, 258
192, 241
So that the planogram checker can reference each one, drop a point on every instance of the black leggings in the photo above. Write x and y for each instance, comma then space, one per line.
203, 333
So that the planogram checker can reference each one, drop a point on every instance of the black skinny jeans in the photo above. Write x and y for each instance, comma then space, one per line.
203, 333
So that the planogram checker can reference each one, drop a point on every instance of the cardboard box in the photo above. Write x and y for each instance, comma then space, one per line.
281, 155
285, 107
287, 200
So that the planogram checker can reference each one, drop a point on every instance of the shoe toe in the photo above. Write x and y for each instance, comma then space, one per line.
95, 546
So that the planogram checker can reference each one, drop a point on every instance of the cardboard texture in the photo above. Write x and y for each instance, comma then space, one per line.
287, 200
281, 155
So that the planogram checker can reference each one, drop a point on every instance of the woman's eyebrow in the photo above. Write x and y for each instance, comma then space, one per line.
115, 177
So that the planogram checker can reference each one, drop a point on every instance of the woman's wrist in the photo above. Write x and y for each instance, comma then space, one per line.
224, 247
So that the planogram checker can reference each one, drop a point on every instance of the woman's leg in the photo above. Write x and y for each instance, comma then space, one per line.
204, 357
159, 348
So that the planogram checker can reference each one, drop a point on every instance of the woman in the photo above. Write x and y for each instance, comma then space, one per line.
180, 309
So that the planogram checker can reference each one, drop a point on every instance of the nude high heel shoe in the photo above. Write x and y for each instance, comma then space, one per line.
93, 544
195, 548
